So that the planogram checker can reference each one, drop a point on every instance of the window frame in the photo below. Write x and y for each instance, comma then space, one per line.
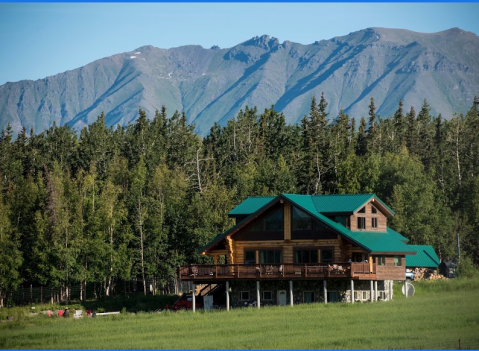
397, 261
261, 253
381, 260
267, 292
241, 295
321, 258
313, 295
254, 259
362, 221
310, 251
374, 222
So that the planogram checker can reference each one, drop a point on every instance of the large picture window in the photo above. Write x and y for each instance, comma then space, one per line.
270, 256
305, 256
274, 221
249, 257
326, 255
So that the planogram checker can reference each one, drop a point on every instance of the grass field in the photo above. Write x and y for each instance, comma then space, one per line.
438, 316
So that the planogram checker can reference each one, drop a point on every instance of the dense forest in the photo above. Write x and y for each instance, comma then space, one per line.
106, 205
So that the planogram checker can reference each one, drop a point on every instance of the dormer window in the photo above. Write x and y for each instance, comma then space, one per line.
361, 223
363, 210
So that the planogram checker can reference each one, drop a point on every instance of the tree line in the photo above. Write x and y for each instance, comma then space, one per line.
135, 202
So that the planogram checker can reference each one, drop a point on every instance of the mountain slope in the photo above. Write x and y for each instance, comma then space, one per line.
212, 85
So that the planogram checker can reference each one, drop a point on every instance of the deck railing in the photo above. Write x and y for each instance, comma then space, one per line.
277, 271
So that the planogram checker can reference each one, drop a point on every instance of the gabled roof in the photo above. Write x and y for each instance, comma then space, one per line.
325, 204
388, 242
250, 205
425, 257
347, 203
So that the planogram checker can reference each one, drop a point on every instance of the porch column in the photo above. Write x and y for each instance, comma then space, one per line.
405, 288
390, 290
352, 291
371, 297
325, 291
375, 290
291, 293
258, 302
193, 299
227, 295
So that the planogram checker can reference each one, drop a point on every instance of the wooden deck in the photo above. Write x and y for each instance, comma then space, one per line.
211, 273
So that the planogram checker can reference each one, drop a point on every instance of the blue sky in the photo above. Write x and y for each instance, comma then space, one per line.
42, 39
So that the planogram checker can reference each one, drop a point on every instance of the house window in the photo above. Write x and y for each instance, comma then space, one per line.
326, 255
256, 227
374, 209
301, 220
305, 256
361, 223
374, 222
244, 295
333, 296
270, 256
267, 295
381, 260
397, 261
249, 257
308, 296
365, 295
274, 221
363, 210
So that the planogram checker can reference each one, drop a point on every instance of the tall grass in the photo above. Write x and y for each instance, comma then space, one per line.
438, 316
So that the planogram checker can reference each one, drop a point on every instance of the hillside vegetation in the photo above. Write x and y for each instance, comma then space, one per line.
134, 203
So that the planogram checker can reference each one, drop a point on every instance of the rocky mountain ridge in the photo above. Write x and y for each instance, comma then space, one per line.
212, 85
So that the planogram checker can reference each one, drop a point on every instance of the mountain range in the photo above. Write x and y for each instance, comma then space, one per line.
212, 85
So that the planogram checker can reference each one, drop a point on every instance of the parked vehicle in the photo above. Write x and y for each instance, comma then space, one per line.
409, 275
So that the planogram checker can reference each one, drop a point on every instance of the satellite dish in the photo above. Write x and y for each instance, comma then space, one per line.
408, 289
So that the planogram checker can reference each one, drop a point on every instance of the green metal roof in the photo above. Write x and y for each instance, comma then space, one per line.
371, 241
250, 205
425, 257
389, 241
340, 203
325, 204
397, 235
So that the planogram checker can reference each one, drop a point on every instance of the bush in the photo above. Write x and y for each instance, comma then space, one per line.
466, 268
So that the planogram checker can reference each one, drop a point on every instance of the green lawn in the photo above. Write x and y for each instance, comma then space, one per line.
438, 316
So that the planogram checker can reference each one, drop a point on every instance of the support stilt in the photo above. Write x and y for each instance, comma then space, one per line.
227, 295
291, 293
371, 296
193, 298
258, 302
352, 291
325, 291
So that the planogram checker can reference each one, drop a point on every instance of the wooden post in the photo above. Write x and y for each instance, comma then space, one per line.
352, 291
258, 302
291, 293
390, 290
371, 298
227, 295
405, 288
325, 291
375, 290
193, 300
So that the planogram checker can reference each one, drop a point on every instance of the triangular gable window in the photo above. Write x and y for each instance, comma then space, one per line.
303, 221
363, 210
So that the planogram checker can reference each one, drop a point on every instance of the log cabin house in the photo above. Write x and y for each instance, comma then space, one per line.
290, 249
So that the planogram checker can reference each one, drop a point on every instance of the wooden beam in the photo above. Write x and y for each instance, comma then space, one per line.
352, 291
287, 221
291, 293
258, 301
193, 300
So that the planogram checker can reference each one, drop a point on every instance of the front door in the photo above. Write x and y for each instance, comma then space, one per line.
282, 297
